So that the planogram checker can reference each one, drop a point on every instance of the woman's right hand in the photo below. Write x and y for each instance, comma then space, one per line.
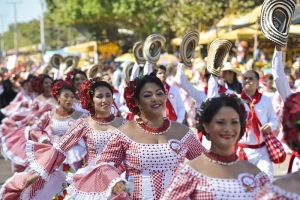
30, 180
119, 188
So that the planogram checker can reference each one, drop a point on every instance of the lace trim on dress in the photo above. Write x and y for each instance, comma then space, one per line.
282, 193
78, 195
2, 189
10, 155
34, 165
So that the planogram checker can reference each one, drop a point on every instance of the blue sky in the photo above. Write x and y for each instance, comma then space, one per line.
26, 11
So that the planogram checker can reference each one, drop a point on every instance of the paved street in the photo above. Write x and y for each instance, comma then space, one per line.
5, 170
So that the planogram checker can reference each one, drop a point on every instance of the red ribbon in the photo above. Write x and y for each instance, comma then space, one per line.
171, 114
253, 121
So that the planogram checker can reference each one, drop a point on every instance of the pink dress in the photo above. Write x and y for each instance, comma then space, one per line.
273, 192
45, 159
15, 106
187, 183
151, 165
14, 143
15, 112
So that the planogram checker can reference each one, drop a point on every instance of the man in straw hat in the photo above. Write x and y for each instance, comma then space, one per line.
229, 75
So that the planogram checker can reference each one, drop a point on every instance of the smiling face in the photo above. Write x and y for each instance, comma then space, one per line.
224, 128
102, 100
152, 100
46, 85
78, 80
66, 99
250, 82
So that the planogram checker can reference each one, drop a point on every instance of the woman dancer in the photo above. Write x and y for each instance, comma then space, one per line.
151, 146
75, 78
218, 173
96, 96
22, 101
13, 143
20, 108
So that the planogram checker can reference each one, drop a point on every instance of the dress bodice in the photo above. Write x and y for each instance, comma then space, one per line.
188, 183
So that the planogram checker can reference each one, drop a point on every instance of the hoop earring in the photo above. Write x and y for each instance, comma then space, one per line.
114, 111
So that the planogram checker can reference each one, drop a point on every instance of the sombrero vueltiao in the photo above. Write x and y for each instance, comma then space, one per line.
56, 60
275, 19
94, 70
127, 69
187, 47
152, 47
138, 52
217, 52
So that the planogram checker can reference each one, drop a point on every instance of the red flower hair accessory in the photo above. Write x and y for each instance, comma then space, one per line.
130, 99
204, 106
70, 76
37, 84
85, 94
291, 120
56, 87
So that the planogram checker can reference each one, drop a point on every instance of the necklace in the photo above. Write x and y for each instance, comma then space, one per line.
221, 160
103, 121
154, 130
64, 114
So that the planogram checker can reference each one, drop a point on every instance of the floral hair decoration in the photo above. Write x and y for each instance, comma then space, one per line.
205, 105
291, 120
56, 87
37, 84
85, 94
129, 95
70, 76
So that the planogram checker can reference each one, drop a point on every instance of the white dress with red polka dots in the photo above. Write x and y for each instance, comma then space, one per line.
151, 165
187, 183
273, 192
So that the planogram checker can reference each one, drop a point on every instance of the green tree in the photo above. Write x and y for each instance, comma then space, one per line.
29, 34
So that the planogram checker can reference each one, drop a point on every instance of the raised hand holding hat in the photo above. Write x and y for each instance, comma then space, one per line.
217, 52
188, 46
275, 19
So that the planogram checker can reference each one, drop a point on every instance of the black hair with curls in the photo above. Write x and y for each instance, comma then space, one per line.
147, 79
216, 104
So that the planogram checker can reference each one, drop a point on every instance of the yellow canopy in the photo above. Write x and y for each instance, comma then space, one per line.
241, 33
209, 36
233, 20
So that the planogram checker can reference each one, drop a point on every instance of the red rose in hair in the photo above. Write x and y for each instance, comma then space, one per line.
130, 99
56, 87
70, 76
84, 94
37, 84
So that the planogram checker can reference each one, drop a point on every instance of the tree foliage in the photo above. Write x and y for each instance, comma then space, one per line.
29, 34
145, 17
